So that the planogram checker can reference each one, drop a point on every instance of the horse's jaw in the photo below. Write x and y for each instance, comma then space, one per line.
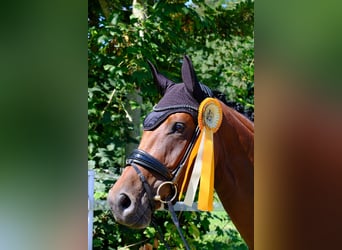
129, 211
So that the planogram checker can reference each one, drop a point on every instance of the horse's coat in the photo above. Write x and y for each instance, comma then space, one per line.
167, 132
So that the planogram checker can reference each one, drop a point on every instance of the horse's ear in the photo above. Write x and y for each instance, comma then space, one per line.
161, 81
190, 80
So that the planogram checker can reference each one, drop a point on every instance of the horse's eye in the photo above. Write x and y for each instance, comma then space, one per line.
178, 127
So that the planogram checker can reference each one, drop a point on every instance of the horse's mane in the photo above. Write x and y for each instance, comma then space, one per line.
247, 112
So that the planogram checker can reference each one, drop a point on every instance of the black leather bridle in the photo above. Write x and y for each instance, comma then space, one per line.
150, 163
147, 161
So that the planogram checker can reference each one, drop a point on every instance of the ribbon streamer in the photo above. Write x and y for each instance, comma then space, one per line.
206, 191
189, 163
195, 176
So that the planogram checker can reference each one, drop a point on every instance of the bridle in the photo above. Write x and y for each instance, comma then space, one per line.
150, 163
147, 161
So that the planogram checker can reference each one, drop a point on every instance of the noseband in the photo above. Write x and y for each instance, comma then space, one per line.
148, 162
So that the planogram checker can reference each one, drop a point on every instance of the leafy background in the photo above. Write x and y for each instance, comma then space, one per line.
219, 38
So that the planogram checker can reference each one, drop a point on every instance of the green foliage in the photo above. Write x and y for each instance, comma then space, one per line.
219, 40
228, 66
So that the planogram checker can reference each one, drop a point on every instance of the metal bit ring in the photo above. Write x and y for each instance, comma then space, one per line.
157, 197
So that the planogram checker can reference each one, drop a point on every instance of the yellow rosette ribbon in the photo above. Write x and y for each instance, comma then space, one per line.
209, 121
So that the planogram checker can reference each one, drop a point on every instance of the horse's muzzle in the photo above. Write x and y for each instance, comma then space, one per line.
129, 211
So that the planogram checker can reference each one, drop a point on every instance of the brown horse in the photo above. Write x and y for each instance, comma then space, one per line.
169, 133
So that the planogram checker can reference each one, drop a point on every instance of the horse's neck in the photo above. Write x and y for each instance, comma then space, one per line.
234, 141
234, 158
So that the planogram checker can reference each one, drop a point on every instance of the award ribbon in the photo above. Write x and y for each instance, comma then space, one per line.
209, 121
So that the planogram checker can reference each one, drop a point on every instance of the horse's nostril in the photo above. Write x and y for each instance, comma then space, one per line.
124, 201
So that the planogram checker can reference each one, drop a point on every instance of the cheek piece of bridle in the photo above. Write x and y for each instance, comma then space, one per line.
150, 163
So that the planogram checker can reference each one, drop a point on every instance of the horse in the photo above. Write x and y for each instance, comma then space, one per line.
168, 136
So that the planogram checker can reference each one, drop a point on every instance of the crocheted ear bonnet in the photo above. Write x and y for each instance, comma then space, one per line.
177, 97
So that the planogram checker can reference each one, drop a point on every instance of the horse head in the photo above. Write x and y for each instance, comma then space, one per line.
154, 170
